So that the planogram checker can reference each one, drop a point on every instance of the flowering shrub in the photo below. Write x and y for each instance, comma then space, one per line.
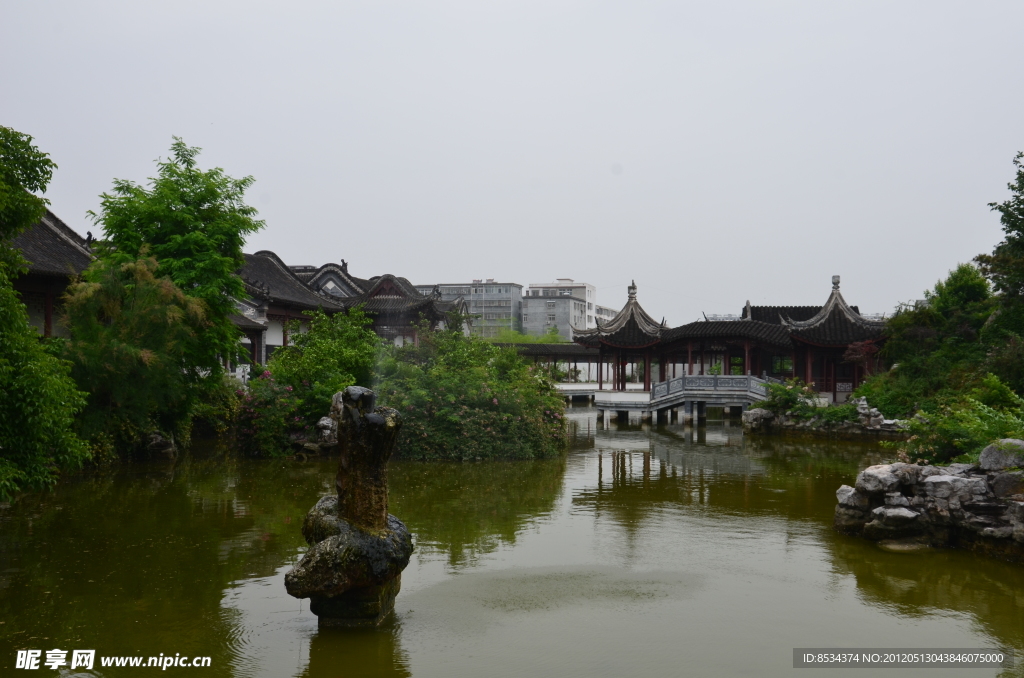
462, 398
268, 414
793, 397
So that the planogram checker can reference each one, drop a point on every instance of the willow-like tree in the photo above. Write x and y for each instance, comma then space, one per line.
131, 333
38, 399
194, 223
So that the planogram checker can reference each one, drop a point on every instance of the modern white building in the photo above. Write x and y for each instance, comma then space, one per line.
564, 304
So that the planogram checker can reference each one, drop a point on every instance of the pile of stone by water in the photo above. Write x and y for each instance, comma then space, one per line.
977, 506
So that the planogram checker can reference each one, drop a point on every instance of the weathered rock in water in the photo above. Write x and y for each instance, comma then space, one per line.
1006, 453
959, 505
352, 571
757, 418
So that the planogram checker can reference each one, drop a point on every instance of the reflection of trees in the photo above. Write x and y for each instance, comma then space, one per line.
137, 562
369, 653
914, 585
467, 509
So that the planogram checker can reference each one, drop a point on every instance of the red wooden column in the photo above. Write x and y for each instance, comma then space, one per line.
647, 370
807, 362
661, 367
746, 357
689, 358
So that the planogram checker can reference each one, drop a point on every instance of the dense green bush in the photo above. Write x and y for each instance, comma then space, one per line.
959, 430
463, 398
334, 352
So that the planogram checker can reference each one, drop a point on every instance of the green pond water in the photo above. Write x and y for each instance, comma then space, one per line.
644, 552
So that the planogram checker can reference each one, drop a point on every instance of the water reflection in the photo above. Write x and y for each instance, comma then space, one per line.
646, 534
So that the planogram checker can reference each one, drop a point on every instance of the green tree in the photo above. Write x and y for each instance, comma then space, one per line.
336, 351
24, 171
1005, 266
464, 398
38, 399
936, 346
131, 335
194, 222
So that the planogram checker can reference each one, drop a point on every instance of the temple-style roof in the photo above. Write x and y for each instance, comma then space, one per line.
774, 334
331, 278
52, 248
630, 328
836, 324
269, 279
389, 295
775, 314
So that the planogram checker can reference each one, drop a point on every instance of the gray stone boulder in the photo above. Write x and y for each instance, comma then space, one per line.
877, 479
758, 418
851, 498
954, 487
1003, 454
1008, 484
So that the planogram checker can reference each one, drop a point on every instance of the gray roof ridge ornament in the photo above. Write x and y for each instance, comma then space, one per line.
631, 290
835, 300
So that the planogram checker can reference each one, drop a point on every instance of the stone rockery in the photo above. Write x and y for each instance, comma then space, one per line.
357, 550
974, 506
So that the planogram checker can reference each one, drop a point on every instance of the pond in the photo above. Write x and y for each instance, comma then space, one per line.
643, 552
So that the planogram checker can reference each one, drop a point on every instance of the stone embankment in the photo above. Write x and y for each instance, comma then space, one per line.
869, 422
975, 506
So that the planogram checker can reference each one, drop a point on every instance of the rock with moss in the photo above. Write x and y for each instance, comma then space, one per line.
352, 570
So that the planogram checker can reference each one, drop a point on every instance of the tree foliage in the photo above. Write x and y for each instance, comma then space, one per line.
936, 347
132, 335
335, 351
1005, 266
24, 171
194, 223
463, 398
38, 399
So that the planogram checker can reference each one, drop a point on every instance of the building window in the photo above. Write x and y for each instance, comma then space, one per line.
550, 304
590, 319
551, 317
526, 317
782, 364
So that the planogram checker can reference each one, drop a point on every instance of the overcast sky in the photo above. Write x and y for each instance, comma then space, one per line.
713, 151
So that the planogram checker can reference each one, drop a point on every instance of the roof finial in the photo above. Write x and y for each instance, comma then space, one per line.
632, 291
344, 267
835, 282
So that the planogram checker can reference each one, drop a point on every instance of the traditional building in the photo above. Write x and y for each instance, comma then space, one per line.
56, 254
807, 342
278, 294
398, 308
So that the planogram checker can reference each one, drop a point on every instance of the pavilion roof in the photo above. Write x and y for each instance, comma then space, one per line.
836, 324
723, 330
52, 248
631, 327
270, 279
